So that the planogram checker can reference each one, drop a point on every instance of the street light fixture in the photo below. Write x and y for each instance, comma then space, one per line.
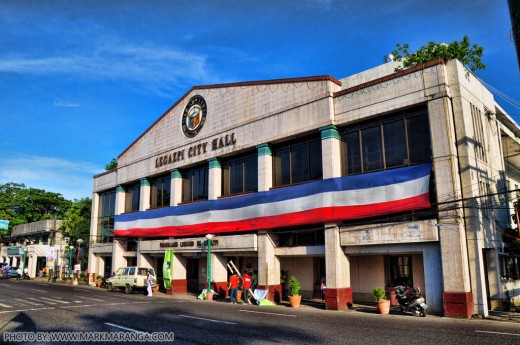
209, 237
70, 259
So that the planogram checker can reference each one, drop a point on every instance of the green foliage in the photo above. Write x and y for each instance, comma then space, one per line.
469, 55
294, 286
112, 165
99, 277
379, 294
19, 205
511, 238
77, 220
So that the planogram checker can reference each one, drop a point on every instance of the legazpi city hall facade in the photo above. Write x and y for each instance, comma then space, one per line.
377, 179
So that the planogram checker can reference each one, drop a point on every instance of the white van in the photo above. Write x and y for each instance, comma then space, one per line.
130, 278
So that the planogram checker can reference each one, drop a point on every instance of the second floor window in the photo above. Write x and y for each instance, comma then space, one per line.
107, 209
240, 174
160, 192
297, 161
391, 142
195, 184
133, 193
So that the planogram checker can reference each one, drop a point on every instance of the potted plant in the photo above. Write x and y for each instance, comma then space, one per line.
294, 290
99, 280
383, 304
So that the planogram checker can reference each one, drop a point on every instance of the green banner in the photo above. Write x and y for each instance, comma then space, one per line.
167, 268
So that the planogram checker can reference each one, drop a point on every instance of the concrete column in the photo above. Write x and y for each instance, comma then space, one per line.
219, 281
144, 202
265, 168
331, 152
269, 268
458, 298
94, 229
179, 279
337, 267
120, 200
118, 250
215, 179
175, 187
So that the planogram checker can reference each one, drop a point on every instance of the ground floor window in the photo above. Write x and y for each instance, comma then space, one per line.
400, 270
509, 266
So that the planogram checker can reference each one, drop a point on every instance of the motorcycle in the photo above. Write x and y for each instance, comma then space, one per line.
410, 299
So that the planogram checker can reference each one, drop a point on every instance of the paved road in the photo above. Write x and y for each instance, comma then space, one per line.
37, 306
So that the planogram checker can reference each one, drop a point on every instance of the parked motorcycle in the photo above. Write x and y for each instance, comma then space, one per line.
410, 299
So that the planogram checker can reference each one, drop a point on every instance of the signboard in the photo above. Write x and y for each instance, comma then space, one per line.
14, 250
4, 224
50, 256
77, 267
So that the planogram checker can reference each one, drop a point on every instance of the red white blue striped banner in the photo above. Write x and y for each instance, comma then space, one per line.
324, 201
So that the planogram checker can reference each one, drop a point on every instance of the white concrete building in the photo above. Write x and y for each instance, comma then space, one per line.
39, 242
377, 179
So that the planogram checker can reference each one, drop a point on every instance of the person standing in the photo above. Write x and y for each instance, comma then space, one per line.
25, 273
18, 273
246, 285
323, 287
233, 288
283, 278
255, 280
150, 283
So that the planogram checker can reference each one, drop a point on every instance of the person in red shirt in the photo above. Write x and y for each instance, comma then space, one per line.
246, 285
233, 288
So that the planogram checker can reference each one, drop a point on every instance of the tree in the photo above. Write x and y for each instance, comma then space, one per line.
77, 220
112, 165
469, 55
77, 225
19, 205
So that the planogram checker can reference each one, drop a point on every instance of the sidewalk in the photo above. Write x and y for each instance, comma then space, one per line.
505, 316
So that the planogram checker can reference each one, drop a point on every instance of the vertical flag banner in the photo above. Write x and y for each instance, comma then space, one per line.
167, 269
50, 257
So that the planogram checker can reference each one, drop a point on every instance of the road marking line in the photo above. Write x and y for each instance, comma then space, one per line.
54, 300
5, 305
263, 312
515, 334
38, 290
75, 306
20, 310
125, 328
210, 320
35, 301
94, 299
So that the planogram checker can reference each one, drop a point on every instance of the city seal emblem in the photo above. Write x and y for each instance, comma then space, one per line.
194, 116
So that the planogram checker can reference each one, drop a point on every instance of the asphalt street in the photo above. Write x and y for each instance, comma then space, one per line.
39, 306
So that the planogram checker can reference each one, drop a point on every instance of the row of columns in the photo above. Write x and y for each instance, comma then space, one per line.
339, 292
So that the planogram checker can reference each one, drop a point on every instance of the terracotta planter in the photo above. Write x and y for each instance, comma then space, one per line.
68, 281
209, 296
239, 295
383, 306
98, 282
295, 301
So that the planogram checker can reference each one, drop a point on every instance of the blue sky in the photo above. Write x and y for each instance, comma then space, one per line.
80, 80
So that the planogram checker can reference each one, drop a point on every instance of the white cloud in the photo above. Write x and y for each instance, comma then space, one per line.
61, 103
71, 179
112, 59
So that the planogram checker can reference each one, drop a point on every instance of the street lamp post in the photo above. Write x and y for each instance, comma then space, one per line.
76, 278
209, 237
70, 259
24, 258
